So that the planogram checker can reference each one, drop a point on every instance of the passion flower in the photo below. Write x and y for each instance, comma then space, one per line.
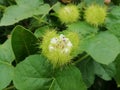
68, 14
59, 48
95, 15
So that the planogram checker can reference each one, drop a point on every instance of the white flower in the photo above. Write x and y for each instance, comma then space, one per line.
51, 48
61, 36
54, 41
61, 44
66, 50
69, 44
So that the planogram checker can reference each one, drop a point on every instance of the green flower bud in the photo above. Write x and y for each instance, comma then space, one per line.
68, 14
59, 49
95, 15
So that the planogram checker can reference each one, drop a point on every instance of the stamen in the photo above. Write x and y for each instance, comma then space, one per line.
61, 44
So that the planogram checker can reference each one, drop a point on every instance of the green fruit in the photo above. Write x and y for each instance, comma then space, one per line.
68, 14
95, 15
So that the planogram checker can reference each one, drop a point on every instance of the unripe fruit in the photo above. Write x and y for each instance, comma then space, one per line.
59, 49
68, 14
95, 15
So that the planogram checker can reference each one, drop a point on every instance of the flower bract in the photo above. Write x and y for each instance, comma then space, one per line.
68, 14
95, 15
59, 48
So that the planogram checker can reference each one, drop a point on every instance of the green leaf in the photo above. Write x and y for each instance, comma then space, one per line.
68, 79
106, 72
24, 43
89, 2
87, 70
103, 48
114, 13
82, 28
29, 3
2, 2
84, 31
57, 6
6, 53
6, 74
113, 21
40, 31
34, 73
24, 9
115, 29
113, 16
116, 2
117, 76
6, 69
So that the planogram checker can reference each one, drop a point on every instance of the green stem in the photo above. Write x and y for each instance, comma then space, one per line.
41, 19
35, 17
80, 59
49, 10
6, 63
52, 83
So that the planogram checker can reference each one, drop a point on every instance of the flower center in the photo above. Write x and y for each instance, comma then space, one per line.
61, 44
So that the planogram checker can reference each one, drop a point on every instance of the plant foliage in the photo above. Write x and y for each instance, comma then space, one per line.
59, 44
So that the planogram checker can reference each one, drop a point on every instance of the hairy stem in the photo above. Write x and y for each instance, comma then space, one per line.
80, 59
40, 19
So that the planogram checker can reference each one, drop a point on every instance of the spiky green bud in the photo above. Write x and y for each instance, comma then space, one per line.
68, 14
59, 48
95, 15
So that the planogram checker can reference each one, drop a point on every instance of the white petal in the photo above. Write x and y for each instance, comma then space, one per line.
66, 50
69, 44
53, 40
61, 36
67, 39
51, 48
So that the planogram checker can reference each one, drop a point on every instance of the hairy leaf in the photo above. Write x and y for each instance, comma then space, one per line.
6, 53
24, 43
24, 9
6, 69
117, 76
82, 28
87, 70
34, 73
113, 21
103, 47
89, 2
106, 72
41, 31
68, 79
